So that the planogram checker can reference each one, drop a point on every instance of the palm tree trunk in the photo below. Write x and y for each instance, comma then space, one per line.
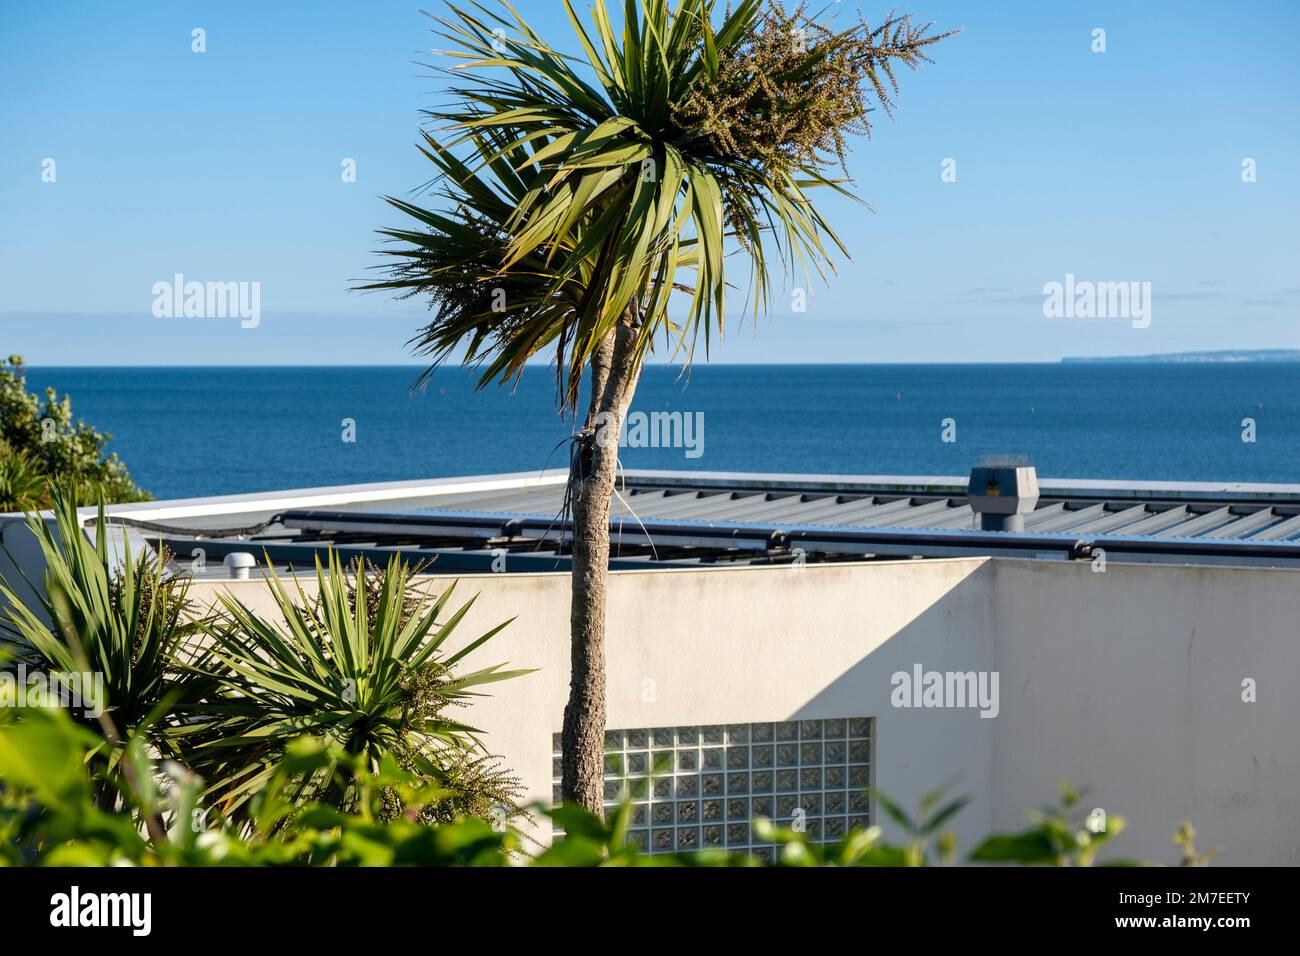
614, 372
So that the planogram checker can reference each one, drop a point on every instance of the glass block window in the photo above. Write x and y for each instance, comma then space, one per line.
699, 787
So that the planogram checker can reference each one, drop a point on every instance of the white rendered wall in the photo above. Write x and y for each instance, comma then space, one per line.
744, 645
1126, 682
1130, 681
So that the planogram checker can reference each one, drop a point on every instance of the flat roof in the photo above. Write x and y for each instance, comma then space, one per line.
681, 517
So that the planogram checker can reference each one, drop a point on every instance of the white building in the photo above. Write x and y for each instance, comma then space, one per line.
1139, 639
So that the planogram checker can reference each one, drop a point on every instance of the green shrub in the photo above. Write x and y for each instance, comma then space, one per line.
47, 818
42, 437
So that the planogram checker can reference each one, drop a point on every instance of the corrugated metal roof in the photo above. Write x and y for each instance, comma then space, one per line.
693, 517
1160, 517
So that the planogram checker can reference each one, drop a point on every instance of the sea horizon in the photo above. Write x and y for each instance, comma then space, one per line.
186, 431
531, 365
1064, 360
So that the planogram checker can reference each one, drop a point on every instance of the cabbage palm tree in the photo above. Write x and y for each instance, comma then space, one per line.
581, 196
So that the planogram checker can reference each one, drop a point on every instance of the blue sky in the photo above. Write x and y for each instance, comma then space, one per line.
1116, 166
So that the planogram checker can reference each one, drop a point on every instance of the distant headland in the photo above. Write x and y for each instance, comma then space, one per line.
1196, 358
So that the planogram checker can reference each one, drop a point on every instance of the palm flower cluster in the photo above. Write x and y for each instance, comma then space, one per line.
365, 578
471, 785
160, 594
789, 96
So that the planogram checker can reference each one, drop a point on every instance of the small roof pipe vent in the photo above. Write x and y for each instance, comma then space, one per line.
1002, 490
239, 563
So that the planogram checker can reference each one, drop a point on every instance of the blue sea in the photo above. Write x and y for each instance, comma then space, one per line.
203, 431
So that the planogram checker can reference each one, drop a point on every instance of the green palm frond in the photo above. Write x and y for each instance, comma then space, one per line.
579, 192
124, 622
363, 667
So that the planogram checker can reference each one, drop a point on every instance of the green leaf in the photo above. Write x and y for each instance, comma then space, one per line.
1030, 848
43, 751
577, 821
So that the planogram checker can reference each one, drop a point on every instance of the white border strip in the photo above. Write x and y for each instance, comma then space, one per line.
397, 492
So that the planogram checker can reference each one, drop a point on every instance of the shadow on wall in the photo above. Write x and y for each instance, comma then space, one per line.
926, 688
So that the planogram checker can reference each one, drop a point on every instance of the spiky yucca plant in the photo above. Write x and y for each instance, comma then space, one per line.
578, 197
22, 486
121, 617
359, 666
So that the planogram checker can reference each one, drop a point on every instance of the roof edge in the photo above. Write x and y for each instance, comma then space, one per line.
334, 495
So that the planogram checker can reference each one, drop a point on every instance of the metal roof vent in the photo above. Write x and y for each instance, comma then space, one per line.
1002, 490
239, 563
